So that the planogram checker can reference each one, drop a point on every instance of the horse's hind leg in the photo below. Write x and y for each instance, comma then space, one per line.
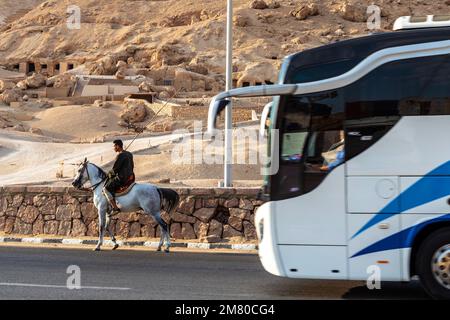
164, 232
111, 232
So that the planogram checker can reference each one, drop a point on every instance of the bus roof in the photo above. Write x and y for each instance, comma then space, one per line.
353, 51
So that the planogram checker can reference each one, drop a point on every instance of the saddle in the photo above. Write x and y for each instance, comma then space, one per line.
126, 188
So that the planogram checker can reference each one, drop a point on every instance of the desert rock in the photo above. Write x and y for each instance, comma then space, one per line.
258, 4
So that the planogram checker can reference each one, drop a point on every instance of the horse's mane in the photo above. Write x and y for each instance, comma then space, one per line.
102, 173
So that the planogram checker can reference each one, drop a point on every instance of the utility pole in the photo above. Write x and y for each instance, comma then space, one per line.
228, 180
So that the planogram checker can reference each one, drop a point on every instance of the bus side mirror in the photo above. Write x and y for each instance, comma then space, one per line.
214, 112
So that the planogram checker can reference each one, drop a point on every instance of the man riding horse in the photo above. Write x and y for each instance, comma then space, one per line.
120, 176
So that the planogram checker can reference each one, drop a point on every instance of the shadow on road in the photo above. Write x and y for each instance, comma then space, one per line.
388, 291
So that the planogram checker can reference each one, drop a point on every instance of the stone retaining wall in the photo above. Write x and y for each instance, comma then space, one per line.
205, 214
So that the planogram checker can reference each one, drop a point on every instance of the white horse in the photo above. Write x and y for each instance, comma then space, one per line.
147, 197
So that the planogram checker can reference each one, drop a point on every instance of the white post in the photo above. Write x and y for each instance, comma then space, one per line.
228, 111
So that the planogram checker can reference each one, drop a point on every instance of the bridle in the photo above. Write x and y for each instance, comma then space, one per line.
93, 187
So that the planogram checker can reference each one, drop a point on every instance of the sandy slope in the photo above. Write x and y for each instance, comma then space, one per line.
37, 162
76, 122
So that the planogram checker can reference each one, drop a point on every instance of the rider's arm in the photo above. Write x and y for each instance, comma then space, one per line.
340, 157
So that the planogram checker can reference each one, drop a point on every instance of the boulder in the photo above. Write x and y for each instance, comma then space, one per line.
38, 226
128, 216
258, 4
187, 206
93, 229
353, 12
28, 214
246, 204
88, 211
6, 85
21, 227
64, 212
205, 214
146, 86
148, 231
9, 96
210, 203
215, 229
22, 85
229, 232
201, 229
64, 228
187, 231
305, 11
48, 207
175, 231
78, 228
147, 220
122, 229
9, 225
135, 230
104, 66
273, 5
249, 230
239, 213
121, 64
65, 80
179, 217
120, 74
102, 104
19, 127
135, 111
36, 80
235, 222
240, 21
36, 131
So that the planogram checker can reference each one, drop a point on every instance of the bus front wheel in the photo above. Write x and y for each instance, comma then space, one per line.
433, 264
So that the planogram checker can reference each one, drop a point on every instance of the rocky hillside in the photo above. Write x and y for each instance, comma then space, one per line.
191, 34
11, 10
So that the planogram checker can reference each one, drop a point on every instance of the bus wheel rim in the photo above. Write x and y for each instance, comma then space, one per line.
441, 266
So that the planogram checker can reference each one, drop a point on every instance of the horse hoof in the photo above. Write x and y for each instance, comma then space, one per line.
115, 246
96, 249
158, 250
166, 250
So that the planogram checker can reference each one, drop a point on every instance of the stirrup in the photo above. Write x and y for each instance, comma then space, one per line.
114, 211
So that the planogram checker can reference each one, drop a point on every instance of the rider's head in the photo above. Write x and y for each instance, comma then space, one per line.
118, 145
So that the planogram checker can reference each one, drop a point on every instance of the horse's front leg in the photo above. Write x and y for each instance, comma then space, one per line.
101, 226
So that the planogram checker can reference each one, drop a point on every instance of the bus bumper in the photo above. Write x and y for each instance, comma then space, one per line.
268, 249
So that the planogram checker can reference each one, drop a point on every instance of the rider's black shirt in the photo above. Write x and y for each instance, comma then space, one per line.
124, 166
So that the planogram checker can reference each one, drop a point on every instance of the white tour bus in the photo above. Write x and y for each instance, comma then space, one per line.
364, 159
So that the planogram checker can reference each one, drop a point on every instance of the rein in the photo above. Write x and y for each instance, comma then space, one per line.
93, 187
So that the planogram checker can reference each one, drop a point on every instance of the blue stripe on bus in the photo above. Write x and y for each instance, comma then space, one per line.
402, 239
425, 190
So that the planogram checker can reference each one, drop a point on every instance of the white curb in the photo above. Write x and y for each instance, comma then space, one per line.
151, 244
110, 243
243, 247
198, 245
32, 240
72, 241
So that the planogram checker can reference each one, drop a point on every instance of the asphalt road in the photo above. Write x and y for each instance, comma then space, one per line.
39, 273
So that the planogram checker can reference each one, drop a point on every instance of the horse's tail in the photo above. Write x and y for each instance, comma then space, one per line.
169, 199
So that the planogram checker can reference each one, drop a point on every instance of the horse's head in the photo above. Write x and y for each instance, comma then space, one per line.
82, 175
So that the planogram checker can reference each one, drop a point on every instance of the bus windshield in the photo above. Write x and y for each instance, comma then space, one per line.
311, 141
